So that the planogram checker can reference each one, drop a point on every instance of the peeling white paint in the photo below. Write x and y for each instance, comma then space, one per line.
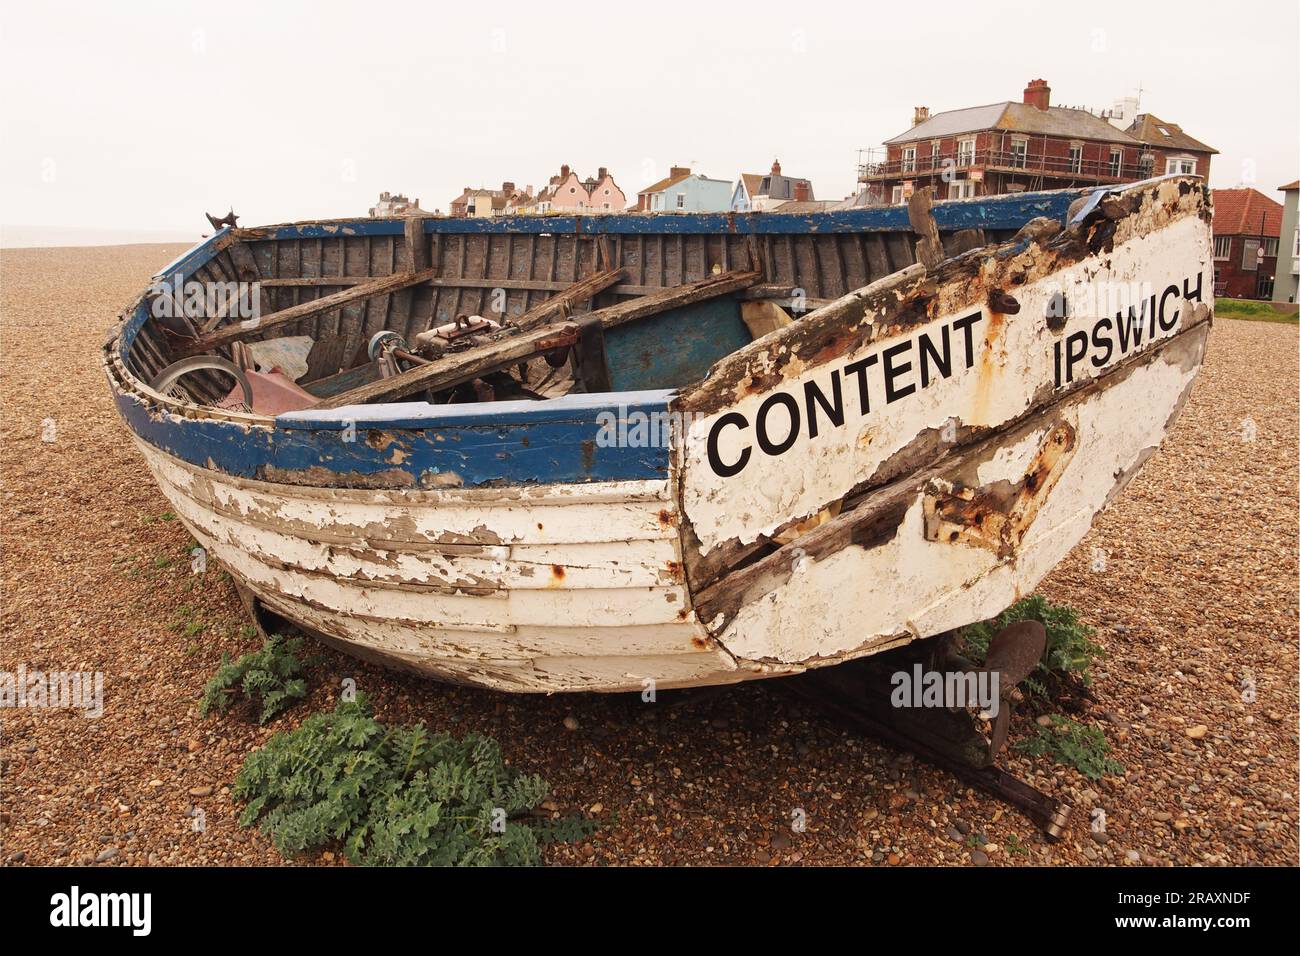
1013, 361
851, 602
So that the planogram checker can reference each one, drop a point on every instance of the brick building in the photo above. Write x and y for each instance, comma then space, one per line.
1169, 148
1247, 226
1014, 147
480, 203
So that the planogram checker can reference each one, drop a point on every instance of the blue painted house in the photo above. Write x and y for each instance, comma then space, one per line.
684, 191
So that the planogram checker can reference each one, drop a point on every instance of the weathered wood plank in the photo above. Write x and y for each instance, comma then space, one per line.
559, 306
296, 313
458, 367
671, 298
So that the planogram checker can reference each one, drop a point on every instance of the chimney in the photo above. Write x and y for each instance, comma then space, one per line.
600, 173
528, 190
776, 167
920, 114
676, 171
564, 172
508, 189
1038, 94
801, 190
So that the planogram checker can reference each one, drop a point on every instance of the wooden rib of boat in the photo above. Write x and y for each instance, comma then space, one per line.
597, 452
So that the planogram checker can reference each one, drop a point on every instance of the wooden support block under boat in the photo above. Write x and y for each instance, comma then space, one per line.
247, 330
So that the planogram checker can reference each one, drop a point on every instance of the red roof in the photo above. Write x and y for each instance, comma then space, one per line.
1241, 211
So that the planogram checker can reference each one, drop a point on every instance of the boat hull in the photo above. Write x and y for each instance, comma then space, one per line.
557, 587
779, 521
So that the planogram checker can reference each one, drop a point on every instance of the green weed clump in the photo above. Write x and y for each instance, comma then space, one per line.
395, 796
270, 679
1073, 744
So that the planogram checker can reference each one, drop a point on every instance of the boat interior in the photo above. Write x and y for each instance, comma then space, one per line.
341, 313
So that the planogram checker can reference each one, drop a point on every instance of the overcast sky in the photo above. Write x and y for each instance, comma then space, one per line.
141, 116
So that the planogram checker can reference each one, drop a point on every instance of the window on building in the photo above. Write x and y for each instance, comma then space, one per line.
961, 189
1295, 248
934, 153
1146, 162
965, 152
1249, 255
909, 159
1076, 158
1182, 165
1116, 162
681, 200
1222, 247
1270, 247
896, 197
1019, 153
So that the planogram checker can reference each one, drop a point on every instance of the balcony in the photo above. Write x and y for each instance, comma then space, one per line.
1002, 161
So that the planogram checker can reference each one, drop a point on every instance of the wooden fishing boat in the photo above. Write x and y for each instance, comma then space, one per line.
558, 454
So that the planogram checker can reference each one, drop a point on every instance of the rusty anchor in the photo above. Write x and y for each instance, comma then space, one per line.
229, 219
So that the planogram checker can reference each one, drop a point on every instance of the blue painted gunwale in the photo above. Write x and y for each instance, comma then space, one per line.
552, 442
503, 443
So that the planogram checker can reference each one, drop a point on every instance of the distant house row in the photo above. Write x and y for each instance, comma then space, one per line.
684, 191
680, 191
566, 192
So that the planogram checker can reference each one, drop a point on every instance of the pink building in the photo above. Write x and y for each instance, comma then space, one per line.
566, 193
